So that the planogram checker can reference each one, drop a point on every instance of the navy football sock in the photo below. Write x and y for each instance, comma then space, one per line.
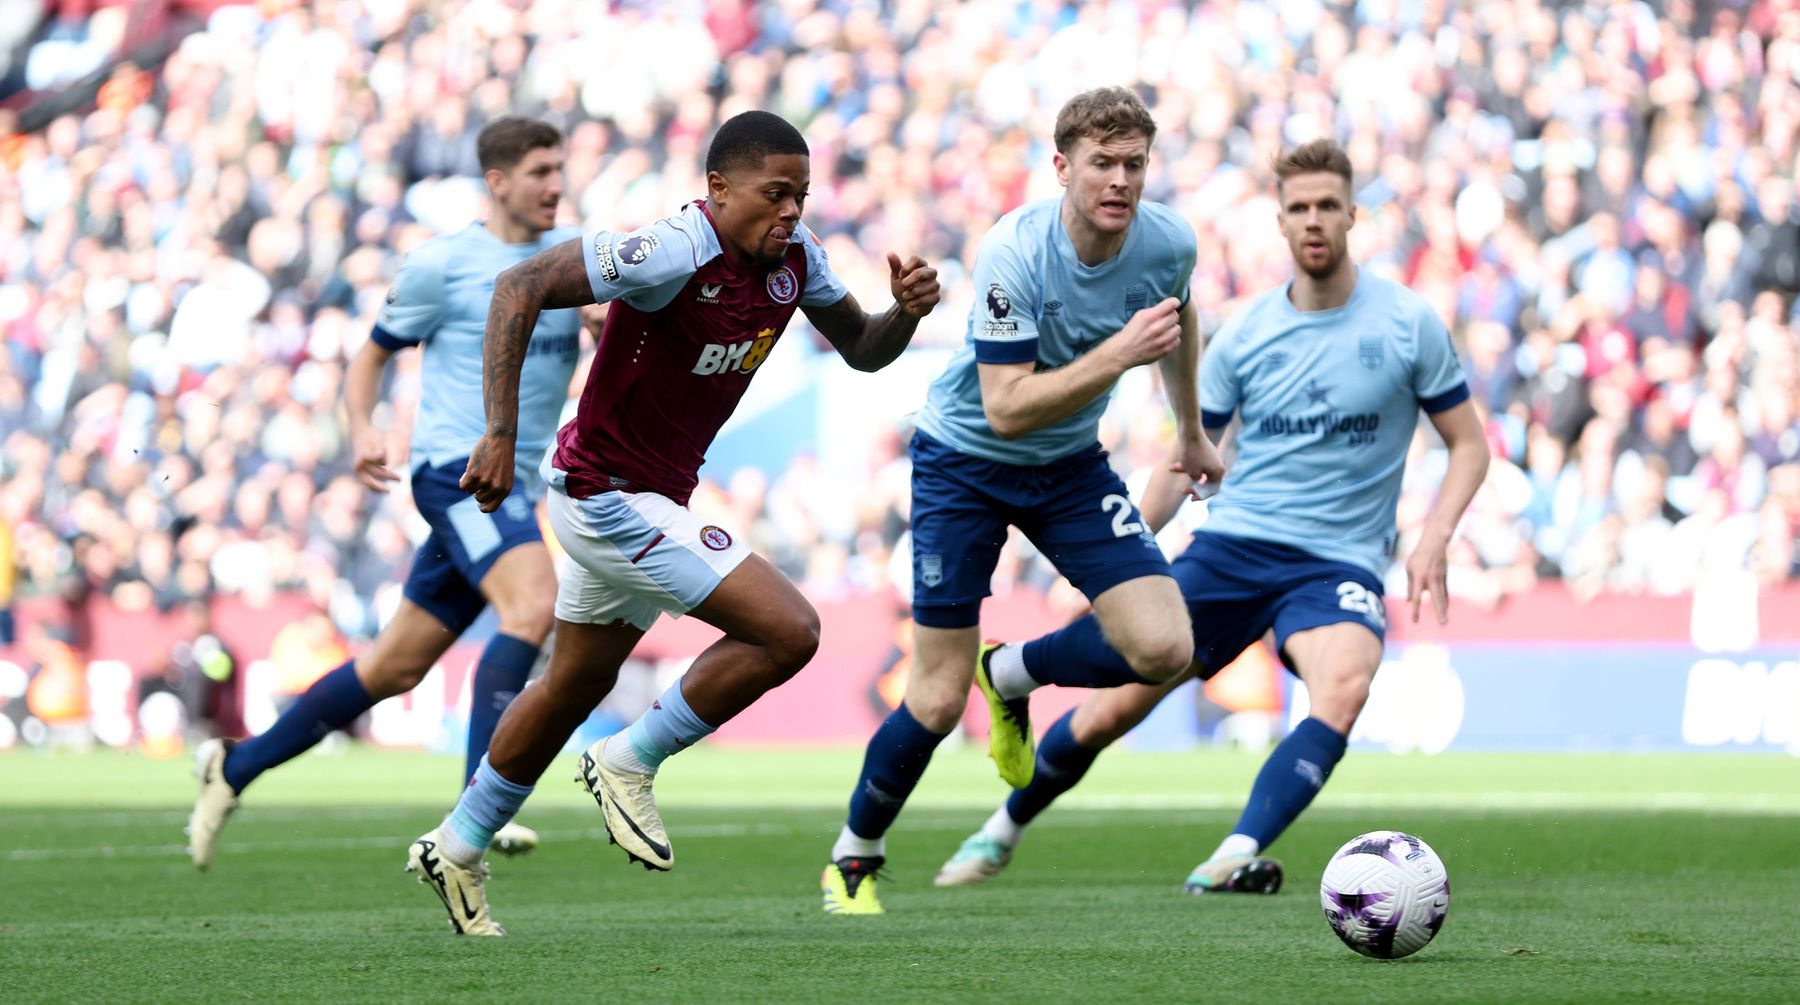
1289, 780
1061, 761
896, 760
333, 702
1078, 655
501, 674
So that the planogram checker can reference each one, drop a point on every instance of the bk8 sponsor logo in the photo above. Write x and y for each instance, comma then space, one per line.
740, 357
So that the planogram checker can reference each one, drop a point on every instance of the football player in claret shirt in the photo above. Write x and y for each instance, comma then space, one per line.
698, 300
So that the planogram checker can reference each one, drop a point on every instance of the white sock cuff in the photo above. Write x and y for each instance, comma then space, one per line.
1006, 667
618, 752
852, 845
1003, 828
452, 846
1238, 846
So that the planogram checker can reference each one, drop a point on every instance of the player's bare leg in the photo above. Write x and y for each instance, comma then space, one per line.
583, 669
937, 688
531, 733
771, 631
1337, 662
1146, 620
409, 645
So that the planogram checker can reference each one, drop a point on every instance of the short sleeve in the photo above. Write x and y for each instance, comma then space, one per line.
823, 287
1003, 322
1187, 254
1438, 380
415, 301
621, 266
1219, 379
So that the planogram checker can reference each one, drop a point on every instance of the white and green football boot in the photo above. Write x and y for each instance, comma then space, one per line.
1235, 874
978, 860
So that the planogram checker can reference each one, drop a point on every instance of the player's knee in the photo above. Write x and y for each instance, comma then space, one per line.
1338, 696
529, 616
793, 645
1106, 722
385, 676
936, 709
1161, 658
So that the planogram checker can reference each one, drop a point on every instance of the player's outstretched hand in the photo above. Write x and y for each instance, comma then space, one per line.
1151, 334
1426, 572
914, 284
1203, 466
489, 476
369, 452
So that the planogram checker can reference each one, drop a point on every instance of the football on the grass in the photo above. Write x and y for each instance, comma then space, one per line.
1386, 894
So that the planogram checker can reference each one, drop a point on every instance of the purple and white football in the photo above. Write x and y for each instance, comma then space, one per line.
1386, 894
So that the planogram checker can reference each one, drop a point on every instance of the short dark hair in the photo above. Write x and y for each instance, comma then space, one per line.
1318, 156
748, 137
1102, 114
505, 141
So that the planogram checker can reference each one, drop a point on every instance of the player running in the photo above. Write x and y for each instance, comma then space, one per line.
698, 301
1327, 376
472, 558
1071, 293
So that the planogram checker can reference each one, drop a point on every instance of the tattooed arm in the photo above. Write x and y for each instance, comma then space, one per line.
551, 279
869, 342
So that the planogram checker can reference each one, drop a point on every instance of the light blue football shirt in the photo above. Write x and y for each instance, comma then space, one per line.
1327, 402
440, 301
1036, 302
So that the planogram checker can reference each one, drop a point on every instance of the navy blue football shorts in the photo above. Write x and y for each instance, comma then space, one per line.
1238, 588
1074, 509
464, 544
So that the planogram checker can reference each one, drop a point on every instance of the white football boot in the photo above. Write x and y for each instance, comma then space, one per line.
215, 803
461, 890
632, 821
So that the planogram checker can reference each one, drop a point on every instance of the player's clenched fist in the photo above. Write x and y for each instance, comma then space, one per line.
489, 476
1151, 334
1199, 459
914, 284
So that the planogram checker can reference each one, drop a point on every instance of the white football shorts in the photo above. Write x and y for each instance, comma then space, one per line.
635, 555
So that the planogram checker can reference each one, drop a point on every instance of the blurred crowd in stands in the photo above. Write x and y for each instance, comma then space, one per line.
1599, 198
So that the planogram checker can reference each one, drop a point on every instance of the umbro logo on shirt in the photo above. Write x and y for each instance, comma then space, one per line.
709, 293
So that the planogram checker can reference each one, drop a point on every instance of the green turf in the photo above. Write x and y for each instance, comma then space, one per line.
1578, 879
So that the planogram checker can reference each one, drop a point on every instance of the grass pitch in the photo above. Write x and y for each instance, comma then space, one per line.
1574, 878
